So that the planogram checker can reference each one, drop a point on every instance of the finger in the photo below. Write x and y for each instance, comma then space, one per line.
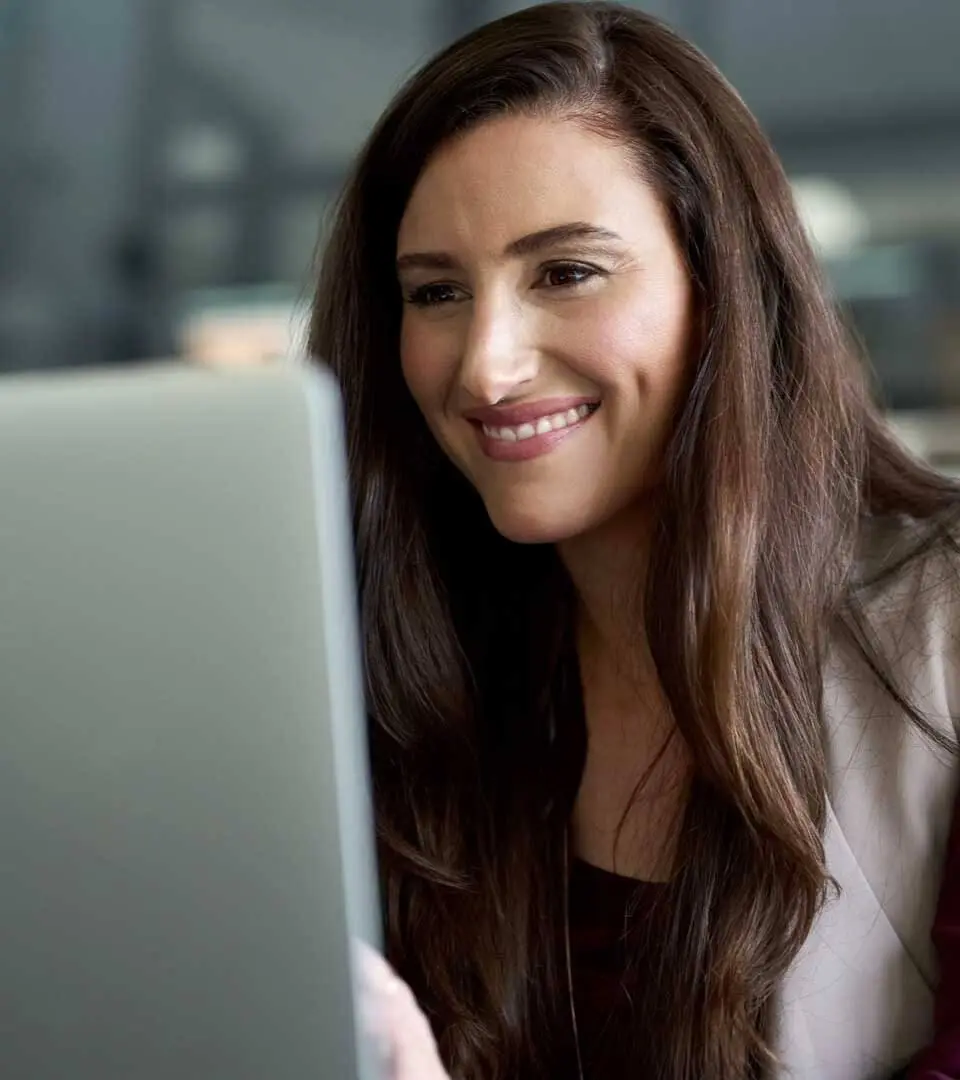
415, 1053
395, 1020
373, 982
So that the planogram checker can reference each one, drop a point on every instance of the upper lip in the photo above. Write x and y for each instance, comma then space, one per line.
525, 412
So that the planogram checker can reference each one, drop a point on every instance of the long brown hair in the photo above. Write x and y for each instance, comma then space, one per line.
777, 459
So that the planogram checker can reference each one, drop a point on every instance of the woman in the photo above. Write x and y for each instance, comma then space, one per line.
657, 615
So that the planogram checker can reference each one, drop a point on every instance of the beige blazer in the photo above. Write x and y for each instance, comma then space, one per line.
858, 1001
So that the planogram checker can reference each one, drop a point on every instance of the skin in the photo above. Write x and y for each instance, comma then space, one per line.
538, 265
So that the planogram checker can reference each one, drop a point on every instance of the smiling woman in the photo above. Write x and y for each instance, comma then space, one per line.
649, 592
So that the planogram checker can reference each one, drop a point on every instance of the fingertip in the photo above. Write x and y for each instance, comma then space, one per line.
375, 970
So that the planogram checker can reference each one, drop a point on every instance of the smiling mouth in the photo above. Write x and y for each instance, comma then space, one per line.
545, 425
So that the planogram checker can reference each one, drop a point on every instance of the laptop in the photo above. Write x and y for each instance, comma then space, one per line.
186, 845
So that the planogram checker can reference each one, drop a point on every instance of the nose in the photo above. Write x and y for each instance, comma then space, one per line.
498, 356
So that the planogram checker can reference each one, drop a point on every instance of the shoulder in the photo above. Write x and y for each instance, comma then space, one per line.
891, 783
892, 551
904, 601
891, 787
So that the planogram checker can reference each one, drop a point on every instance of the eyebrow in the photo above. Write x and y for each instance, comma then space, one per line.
524, 245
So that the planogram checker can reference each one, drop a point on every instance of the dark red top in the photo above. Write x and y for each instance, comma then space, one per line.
602, 982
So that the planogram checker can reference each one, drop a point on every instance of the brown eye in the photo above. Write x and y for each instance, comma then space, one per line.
432, 295
564, 275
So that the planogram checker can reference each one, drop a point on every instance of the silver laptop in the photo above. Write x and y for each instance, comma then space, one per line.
185, 837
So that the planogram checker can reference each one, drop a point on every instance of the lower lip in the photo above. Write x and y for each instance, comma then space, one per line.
525, 449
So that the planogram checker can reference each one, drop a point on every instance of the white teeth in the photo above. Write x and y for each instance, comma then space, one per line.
543, 426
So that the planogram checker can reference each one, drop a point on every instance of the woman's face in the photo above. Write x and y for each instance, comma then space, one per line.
546, 324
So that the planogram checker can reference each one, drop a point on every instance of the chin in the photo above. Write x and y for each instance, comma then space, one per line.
524, 527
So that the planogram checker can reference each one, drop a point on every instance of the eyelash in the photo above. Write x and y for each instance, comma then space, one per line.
420, 296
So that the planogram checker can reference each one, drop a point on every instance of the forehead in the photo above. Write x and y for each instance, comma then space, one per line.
515, 175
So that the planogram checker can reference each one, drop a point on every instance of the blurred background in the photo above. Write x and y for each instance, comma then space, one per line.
166, 166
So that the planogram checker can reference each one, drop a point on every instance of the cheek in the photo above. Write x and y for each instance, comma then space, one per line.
643, 344
429, 361
657, 335
429, 368
421, 363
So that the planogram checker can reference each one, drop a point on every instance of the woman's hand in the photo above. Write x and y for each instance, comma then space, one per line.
393, 1021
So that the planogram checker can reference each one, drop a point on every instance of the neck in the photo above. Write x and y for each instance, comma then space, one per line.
629, 726
607, 567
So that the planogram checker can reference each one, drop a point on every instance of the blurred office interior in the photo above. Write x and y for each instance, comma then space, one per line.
166, 166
